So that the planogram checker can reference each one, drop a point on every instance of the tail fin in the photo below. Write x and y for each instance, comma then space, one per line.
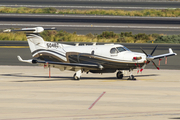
35, 42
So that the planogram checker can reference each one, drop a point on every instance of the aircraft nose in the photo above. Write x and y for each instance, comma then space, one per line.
143, 56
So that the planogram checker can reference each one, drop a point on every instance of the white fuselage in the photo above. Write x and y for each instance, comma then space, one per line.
99, 50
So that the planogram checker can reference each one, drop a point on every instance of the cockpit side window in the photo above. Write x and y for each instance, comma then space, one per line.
113, 51
121, 49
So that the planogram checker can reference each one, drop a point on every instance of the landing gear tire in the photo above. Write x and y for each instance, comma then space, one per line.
131, 77
119, 75
76, 77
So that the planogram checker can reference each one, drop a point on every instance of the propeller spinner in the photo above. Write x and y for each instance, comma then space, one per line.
149, 58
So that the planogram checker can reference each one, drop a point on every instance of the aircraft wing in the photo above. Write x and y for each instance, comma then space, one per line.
171, 53
96, 66
70, 64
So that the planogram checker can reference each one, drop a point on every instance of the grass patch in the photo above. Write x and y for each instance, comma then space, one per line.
117, 12
18, 36
106, 36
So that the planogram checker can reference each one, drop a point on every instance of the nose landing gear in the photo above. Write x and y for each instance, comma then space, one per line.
131, 77
77, 75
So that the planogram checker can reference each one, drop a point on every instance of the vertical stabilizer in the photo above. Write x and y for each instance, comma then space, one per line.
35, 42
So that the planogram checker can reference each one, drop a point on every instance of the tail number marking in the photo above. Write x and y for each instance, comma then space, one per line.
53, 45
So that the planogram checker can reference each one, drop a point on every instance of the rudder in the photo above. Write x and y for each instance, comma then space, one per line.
35, 42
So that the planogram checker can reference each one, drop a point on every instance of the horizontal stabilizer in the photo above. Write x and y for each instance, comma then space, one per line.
27, 61
33, 30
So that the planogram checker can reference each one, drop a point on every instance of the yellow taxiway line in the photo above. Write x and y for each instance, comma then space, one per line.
14, 46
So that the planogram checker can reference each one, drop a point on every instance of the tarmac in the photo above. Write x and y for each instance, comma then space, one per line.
27, 93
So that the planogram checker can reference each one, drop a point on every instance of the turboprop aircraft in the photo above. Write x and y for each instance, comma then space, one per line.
107, 58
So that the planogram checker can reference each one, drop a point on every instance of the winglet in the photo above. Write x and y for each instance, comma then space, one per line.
170, 51
19, 58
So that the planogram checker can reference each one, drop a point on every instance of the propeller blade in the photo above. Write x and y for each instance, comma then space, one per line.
149, 58
144, 66
154, 49
155, 65
144, 51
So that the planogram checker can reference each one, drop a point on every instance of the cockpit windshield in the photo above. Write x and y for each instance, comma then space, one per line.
121, 49
118, 49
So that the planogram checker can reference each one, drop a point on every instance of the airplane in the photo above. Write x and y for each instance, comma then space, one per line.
107, 58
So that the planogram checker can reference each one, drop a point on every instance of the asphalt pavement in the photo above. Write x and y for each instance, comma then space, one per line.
93, 4
26, 93
84, 24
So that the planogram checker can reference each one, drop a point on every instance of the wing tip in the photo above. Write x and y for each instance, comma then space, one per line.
171, 51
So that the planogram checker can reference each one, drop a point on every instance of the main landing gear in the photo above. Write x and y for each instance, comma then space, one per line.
119, 75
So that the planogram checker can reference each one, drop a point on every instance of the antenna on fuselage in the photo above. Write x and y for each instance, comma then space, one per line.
77, 44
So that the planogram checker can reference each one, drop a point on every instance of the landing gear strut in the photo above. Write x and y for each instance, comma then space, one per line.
77, 75
131, 77
119, 75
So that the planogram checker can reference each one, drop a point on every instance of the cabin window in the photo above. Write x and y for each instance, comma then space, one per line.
121, 49
113, 51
